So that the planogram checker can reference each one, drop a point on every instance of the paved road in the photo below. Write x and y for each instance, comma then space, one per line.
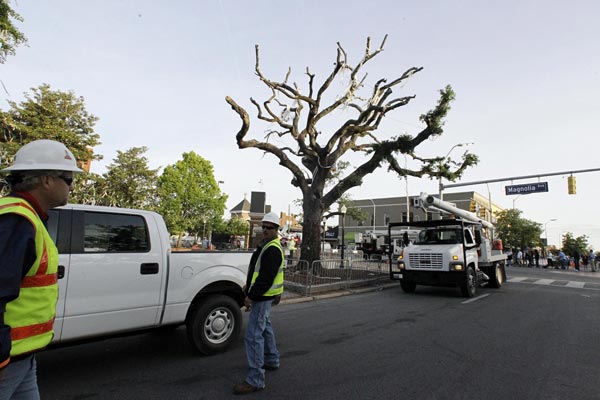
532, 339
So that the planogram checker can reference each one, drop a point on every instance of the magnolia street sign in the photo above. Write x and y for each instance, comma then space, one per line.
526, 188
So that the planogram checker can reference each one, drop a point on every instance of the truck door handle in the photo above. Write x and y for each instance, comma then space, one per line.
149, 268
60, 272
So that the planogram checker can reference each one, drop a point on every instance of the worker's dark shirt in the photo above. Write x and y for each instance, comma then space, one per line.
269, 267
17, 255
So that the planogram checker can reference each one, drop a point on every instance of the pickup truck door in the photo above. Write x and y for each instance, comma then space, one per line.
114, 274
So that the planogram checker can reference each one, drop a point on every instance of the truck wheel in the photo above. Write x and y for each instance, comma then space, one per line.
469, 288
214, 324
497, 278
408, 287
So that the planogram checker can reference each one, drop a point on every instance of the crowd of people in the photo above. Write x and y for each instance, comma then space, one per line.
534, 258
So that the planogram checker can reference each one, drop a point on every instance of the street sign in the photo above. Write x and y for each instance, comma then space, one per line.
526, 188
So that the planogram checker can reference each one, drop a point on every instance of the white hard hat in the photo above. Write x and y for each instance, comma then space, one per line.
44, 155
271, 217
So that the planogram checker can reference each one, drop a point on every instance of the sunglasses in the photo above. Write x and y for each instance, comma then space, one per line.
68, 179
267, 228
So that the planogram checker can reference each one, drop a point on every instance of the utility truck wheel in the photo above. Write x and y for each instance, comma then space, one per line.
408, 287
214, 324
469, 288
497, 278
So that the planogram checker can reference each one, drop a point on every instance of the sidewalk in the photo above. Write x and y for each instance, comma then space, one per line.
290, 297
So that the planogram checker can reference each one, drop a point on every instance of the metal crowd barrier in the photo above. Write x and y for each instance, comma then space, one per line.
334, 274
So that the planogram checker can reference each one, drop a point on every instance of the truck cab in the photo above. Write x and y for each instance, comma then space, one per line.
449, 252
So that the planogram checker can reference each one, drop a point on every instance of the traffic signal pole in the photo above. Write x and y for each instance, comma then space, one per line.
515, 178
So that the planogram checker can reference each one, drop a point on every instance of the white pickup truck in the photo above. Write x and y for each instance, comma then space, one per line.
117, 274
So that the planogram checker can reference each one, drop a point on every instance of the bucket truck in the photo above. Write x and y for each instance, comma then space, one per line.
458, 251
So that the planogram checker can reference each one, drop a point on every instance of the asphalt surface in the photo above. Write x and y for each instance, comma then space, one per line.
535, 338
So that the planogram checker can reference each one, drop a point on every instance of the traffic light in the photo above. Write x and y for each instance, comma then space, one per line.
482, 212
473, 206
572, 185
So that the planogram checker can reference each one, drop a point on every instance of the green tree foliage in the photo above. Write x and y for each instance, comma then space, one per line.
233, 226
48, 114
89, 188
516, 231
129, 182
190, 199
10, 36
570, 244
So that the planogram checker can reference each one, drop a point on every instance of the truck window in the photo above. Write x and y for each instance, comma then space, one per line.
439, 236
106, 232
469, 238
53, 225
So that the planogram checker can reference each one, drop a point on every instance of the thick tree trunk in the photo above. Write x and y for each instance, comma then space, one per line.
311, 228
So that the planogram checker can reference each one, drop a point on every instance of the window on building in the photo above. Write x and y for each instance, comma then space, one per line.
386, 219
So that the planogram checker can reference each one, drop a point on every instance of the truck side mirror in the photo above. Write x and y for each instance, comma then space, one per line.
405, 239
478, 237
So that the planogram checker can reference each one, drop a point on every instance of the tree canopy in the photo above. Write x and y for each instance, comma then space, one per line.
301, 139
129, 181
190, 199
48, 114
571, 244
516, 231
10, 36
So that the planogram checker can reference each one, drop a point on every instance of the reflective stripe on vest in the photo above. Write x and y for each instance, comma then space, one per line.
31, 315
277, 286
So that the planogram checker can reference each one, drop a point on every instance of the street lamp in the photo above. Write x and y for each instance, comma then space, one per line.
546, 228
515, 199
443, 159
343, 213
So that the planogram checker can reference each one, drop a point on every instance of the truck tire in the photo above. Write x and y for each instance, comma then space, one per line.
469, 288
497, 276
214, 323
408, 287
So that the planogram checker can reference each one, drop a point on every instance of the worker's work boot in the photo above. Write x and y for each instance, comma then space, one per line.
244, 388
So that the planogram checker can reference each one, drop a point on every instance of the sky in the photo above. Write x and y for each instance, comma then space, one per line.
526, 76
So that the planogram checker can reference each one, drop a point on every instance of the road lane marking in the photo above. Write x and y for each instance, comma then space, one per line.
475, 298
555, 283
517, 279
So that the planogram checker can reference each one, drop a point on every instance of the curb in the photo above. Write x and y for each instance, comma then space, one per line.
338, 293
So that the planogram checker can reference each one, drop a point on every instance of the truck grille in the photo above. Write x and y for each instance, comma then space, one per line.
425, 260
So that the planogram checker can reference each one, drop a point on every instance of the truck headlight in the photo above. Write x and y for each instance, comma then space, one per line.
457, 267
401, 265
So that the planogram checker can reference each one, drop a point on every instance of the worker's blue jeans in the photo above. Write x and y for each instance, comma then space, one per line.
18, 380
261, 348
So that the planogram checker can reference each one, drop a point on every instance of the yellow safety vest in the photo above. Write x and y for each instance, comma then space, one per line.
31, 315
277, 286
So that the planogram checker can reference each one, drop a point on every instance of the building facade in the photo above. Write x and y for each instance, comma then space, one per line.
380, 212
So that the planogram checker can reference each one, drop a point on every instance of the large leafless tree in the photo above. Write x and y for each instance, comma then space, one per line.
296, 114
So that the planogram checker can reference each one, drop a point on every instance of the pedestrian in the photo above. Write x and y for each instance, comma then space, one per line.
40, 178
562, 258
592, 259
519, 257
264, 286
584, 260
536, 255
576, 259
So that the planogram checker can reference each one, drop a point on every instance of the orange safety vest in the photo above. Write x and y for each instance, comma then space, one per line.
31, 315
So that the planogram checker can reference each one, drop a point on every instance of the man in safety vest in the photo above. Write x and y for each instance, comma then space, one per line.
264, 286
40, 178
